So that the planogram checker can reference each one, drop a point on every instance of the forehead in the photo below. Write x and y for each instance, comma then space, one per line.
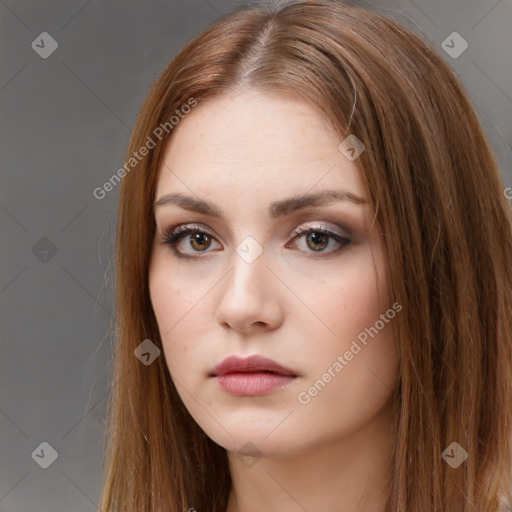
256, 142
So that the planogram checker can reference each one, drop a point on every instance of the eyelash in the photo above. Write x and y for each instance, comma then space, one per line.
173, 236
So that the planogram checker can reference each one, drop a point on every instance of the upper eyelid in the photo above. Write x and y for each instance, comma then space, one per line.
185, 228
349, 222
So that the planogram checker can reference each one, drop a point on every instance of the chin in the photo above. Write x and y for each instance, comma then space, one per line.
257, 441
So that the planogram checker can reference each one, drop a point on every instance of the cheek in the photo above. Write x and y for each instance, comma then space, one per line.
175, 297
349, 301
178, 310
353, 307
353, 373
349, 400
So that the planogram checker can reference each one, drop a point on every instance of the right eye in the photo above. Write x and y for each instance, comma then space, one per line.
200, 240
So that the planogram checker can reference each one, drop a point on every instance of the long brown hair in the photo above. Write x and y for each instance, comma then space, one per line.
439, 202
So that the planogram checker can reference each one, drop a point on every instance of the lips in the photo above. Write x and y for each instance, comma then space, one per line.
251, 364
253, 376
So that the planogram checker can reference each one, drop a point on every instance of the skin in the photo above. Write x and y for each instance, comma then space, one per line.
243, 151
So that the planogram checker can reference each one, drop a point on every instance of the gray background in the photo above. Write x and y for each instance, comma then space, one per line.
65, 127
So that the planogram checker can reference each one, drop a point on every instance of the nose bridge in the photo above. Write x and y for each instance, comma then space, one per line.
247, 296
249, 250
249, 266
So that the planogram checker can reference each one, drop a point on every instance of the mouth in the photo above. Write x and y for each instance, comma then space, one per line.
252, 376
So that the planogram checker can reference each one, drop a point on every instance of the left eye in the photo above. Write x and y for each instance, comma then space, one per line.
317, 239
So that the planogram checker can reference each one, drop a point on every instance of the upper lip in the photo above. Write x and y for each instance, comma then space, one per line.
255, 363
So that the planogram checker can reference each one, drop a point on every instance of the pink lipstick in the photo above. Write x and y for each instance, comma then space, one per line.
252, 376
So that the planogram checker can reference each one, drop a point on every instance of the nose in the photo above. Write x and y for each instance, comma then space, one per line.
250, 297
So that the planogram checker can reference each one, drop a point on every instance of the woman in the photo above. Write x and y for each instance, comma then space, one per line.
313, 272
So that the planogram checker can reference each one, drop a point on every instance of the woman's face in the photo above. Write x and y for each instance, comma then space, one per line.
245, 282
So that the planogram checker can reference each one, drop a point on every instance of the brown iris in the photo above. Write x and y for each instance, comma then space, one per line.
202, 240
317, 239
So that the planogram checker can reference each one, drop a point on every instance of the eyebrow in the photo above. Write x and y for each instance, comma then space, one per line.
276, 209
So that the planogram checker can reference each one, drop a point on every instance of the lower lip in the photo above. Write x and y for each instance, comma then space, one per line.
252, 384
